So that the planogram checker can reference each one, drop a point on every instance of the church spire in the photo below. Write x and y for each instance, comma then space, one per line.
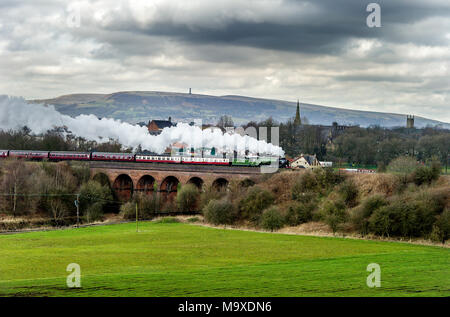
297, 120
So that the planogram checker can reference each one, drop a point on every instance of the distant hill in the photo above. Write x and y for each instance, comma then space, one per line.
138, 106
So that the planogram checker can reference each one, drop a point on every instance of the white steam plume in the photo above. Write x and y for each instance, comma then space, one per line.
15, 113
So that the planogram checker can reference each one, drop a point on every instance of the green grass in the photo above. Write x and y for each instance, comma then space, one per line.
175, 259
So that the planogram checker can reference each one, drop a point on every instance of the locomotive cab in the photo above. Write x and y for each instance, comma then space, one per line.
283, 163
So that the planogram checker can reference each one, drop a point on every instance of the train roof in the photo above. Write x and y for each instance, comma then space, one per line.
110, 153
30, 151
70, 152
150, 154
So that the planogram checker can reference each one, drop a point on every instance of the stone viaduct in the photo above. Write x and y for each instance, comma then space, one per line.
165, 179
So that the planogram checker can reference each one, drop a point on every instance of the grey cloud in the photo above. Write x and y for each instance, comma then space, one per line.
318, 50
379, 78
326, 30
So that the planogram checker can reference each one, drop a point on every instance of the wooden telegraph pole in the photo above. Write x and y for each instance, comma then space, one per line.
77, 203
137, 217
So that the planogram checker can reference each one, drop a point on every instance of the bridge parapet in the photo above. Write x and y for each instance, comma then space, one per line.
177, 167
127, 178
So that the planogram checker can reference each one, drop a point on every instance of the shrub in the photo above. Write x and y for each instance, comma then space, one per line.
81, 172
193, 219
437, 199
349, 193
169, 205
402, 165
253, 204
405, 214
426, 205
426, 174
219, 212
441, 229
361, 215
334, 214
271, 219
299, 213
327, 178
382, 220
305, 198
401, 218
209, 194
94, 212
93, 192
187, 198
369, 184
128, 210
306, 182
280, 185
147, 205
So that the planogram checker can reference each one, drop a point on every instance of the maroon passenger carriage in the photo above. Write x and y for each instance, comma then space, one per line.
117, 157
31, 155
73, 156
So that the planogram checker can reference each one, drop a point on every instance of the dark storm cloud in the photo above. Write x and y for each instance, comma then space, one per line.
325, 30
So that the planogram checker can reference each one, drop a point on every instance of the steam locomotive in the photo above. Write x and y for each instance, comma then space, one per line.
252, 161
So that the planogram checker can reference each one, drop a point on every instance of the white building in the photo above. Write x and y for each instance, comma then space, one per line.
305, 161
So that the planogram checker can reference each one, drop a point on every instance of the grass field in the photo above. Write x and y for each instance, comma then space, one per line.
174, 259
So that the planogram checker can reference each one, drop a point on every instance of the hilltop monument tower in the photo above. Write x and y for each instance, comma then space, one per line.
410, 122
297, 120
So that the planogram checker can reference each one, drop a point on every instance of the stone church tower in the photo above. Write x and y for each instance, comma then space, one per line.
410, 122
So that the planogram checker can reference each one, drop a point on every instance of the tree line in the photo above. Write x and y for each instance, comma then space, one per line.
374, 145
56, 139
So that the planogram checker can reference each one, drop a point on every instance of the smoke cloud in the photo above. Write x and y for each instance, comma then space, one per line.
15, 113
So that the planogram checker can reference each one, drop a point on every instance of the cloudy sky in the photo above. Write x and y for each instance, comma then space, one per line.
322, 52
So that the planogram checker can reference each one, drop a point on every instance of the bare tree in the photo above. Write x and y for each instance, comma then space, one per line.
15, 181
225, 121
